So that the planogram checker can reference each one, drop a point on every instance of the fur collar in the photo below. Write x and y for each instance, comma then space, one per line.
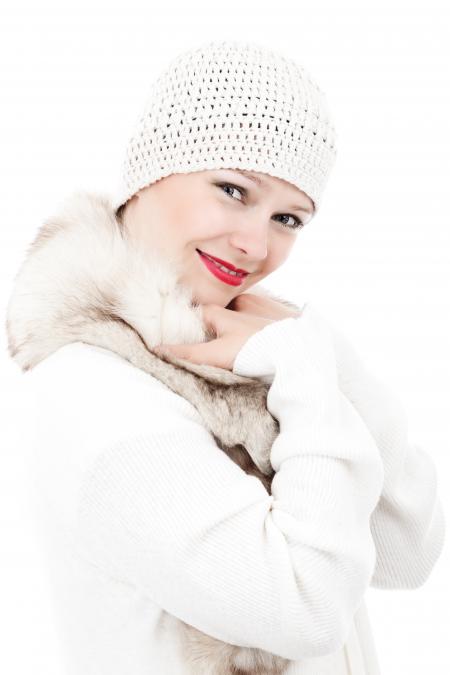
80, 264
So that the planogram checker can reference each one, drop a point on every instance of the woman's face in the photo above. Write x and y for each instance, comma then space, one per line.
224, 214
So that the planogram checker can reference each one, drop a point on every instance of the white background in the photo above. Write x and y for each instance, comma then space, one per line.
375, 260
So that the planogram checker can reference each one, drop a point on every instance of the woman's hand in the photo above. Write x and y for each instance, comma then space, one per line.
233, 325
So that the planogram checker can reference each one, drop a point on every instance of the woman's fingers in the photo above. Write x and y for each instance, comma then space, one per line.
231, 328
215, 318
213, 353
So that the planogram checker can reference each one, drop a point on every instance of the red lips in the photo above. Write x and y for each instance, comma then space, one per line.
225, 263
226, 277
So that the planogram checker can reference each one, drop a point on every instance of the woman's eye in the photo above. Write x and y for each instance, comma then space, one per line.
233, 187
297, 222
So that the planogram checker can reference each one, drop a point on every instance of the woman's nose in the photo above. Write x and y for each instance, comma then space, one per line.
251, 236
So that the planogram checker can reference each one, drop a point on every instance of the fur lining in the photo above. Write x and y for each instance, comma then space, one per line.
80, 265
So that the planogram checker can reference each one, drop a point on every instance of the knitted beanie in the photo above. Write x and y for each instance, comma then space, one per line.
231, 104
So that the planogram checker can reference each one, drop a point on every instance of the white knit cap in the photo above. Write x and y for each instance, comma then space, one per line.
231, 104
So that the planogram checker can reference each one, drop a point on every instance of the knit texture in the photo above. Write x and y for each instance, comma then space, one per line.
145, 515
231, 104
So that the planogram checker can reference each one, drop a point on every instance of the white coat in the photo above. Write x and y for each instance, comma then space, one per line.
84, 287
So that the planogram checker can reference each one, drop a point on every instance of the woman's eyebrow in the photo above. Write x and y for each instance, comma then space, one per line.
262, 184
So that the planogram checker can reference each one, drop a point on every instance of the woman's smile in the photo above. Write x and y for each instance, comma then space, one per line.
221, 272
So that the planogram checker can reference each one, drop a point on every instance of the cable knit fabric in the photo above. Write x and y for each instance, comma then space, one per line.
232, 104
142, 513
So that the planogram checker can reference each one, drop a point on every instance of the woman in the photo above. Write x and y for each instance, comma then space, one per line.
167, 557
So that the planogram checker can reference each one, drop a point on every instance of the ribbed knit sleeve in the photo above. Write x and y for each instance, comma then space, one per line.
408, 524
169, 513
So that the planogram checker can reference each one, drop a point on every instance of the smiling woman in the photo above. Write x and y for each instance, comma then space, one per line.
236, 186
222, 507
241, 229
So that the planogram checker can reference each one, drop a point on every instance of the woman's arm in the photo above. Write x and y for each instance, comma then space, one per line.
408, 524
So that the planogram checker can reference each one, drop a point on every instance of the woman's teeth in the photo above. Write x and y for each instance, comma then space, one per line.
224, 269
